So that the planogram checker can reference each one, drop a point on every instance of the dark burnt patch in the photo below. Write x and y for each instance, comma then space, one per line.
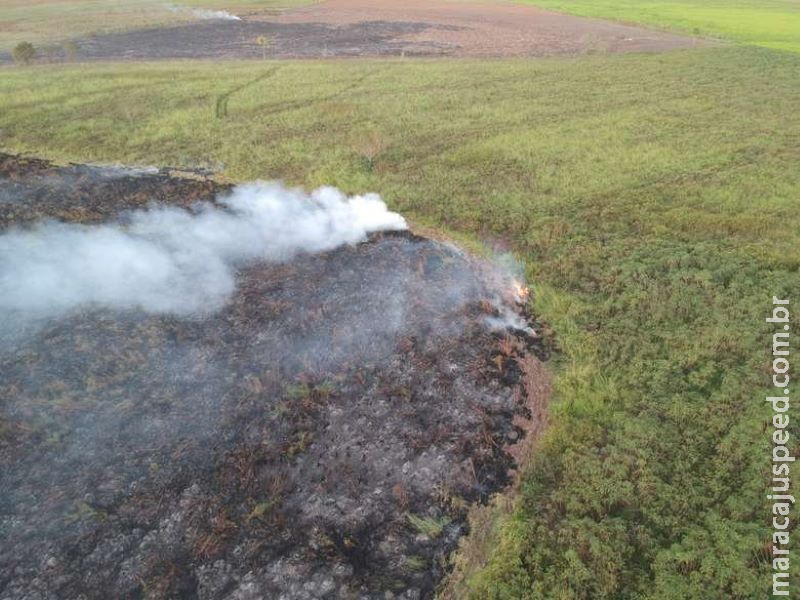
32, 189
321, 436
240, 39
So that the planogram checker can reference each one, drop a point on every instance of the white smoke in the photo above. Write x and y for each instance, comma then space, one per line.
171, 260
507, 319
204, 13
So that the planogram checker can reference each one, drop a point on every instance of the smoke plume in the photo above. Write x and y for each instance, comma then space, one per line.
170, 260
204, 13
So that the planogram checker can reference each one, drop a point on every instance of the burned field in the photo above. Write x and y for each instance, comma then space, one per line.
320, 435
31, 190
239, 39
353, 28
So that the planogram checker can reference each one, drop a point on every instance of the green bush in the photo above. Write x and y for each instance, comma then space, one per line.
24, 52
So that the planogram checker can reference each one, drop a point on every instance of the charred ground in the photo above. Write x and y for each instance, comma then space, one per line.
321, 436
353, 28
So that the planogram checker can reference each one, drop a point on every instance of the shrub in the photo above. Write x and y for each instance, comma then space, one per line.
24, 52
369, 146
51, 53
70, 50
265, 42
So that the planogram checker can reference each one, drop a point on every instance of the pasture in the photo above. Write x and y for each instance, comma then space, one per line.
653, 199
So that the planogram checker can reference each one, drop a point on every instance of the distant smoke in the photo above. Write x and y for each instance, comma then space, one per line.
170, 260
204, 13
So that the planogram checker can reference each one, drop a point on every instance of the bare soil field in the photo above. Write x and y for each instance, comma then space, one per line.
490, 28
351, 28
321, 436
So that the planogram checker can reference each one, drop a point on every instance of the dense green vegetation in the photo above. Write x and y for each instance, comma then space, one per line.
769, 23
44, 22
654, 200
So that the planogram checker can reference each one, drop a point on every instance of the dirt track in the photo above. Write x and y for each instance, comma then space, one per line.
353, 28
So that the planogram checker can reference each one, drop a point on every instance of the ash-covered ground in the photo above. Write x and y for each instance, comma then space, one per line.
376, 28
321, 435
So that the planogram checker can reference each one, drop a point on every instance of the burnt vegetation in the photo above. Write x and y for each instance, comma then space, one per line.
323, 435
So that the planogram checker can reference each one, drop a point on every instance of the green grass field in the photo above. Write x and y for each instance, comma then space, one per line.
655, 201
769, 23
44, 22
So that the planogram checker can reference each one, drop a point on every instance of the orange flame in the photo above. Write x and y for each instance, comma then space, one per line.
521, 292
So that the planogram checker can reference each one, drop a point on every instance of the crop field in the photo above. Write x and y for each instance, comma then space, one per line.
768, 23
653, 199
